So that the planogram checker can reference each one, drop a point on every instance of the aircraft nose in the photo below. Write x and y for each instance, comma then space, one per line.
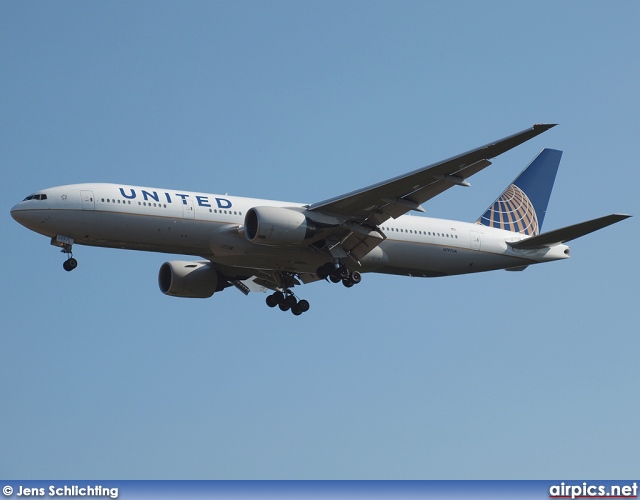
18, 214
29, 216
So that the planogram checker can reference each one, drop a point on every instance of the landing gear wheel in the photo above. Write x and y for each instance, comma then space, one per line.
355, 277
347, 282
284, 307
335, 279
272, 301
342, 272
301, 307
70, 264
325, 270
291, 301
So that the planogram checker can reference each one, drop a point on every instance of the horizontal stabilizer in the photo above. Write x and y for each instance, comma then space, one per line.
568, 233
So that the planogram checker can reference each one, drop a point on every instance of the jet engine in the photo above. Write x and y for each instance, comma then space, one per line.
180, 278
277, 226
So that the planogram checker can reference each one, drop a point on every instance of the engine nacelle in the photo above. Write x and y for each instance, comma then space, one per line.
277, 226
180, 278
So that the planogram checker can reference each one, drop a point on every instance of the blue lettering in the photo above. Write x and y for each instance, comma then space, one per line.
183, 196
222, 203
133, 194
168, 197
203, 201
147, 195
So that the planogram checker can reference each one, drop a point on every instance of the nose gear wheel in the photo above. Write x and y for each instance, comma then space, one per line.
70, 264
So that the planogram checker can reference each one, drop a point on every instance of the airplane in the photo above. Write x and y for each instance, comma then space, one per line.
260, 245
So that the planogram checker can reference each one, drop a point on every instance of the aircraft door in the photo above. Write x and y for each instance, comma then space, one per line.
88, 202
187, 210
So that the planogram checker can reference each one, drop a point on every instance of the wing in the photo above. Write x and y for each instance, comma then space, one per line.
362, 211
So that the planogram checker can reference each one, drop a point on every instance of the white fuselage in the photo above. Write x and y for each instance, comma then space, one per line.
211, 226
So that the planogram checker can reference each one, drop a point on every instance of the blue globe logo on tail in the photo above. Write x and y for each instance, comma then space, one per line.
522, 206
513, 211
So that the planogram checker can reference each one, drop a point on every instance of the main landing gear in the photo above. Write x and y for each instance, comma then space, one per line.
337, 273
285, 299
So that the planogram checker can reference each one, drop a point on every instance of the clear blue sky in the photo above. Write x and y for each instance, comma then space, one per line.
499, 375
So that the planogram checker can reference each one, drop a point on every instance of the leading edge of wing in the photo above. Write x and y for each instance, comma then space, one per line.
353, 203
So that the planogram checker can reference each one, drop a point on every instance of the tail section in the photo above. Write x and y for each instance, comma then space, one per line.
522, 206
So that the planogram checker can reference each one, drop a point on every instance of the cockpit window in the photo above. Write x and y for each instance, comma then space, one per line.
36, 197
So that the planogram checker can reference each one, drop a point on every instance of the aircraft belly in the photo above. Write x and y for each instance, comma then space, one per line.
132, 231
242, 253
428, 260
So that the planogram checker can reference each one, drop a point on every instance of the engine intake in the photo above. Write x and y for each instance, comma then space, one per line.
277, 226
180, 278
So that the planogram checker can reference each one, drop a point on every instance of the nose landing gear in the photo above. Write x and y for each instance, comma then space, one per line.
66, 244
70, 264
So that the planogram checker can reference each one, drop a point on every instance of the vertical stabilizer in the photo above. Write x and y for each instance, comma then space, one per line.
522, 206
